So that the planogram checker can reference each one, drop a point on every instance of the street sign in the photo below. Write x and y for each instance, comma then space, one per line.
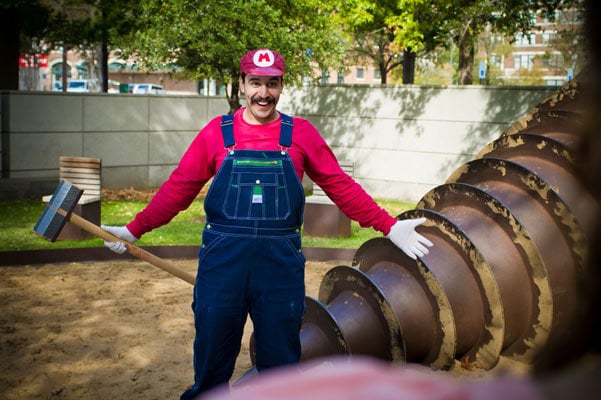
482, 70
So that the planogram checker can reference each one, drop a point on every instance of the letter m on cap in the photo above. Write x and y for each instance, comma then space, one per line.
264, 58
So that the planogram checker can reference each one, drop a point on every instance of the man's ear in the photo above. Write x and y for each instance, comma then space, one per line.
241, 85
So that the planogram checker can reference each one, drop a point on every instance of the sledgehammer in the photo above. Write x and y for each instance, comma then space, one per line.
59, 211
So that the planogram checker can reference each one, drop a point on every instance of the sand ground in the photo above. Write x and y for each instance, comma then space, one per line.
110, 330
102, 330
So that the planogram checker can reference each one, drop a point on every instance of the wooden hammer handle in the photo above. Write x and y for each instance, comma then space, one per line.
131, 249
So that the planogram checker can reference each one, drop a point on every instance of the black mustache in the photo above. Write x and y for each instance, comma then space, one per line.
268, 99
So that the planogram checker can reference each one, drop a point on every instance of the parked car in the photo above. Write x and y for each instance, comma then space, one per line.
113, 86
82, 85
146, 88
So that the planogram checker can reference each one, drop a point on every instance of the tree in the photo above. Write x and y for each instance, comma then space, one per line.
39, 25
570, 41
92, 26
111, 22
207, 38
425, 25
466, 19
393, 33
68, 28
21, 22
417, 28
364, 23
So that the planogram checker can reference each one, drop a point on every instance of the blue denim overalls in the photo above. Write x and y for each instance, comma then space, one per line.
250, 262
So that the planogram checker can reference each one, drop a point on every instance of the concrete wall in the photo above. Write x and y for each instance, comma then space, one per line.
404, 140
138, 138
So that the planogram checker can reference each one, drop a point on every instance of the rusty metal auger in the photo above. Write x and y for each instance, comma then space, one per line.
510, 233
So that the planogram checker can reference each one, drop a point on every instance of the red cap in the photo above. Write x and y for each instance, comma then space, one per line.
263, 62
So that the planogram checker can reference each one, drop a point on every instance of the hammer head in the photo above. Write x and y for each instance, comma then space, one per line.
51, 222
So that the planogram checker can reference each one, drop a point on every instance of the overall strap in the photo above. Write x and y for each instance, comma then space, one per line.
286, 131
227, 130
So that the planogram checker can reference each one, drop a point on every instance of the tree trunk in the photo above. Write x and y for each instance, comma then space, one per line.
408, 67
234, 98
64, 72
103, 56
466, 59
383, 73
9, 48
103, 67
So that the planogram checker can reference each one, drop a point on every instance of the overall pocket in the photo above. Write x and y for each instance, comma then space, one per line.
257, 191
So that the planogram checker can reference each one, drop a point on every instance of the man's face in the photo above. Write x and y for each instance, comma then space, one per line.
262, 94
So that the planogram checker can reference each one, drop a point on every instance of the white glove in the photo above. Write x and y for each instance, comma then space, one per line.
122, 233
403, 235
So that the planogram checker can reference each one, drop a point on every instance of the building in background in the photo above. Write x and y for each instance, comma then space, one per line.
551, 52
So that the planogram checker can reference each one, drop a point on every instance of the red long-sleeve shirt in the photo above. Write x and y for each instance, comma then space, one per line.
309, 152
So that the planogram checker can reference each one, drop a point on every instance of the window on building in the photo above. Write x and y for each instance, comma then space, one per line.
544, 19
340, 79
82, 71
559, 16
552, 60
522, 40
377, 75
57, 71
554, 82
325, 76
548, 37
117, 65
533, 19
523, 61
360, 73
496, 60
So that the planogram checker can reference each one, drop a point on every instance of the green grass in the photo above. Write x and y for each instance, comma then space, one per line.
17, 219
